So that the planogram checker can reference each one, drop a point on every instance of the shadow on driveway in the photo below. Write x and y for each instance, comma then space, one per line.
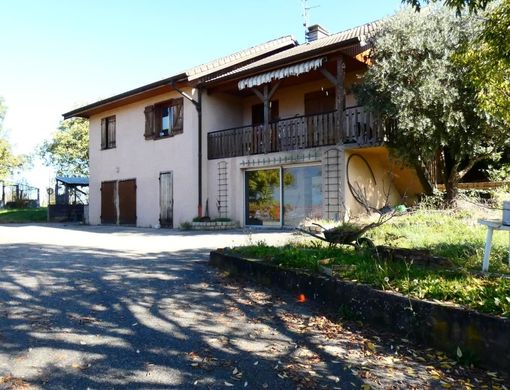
85, 318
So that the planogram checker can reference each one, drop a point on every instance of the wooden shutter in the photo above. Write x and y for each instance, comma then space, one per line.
111, 131
150, 122
103, 133
178, 116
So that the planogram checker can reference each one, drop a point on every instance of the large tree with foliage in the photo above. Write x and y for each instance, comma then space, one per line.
417, 82
459, 5
8, 160
489, 56
489, 62
68, 149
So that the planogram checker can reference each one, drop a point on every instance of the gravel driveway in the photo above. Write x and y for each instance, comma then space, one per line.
120, 308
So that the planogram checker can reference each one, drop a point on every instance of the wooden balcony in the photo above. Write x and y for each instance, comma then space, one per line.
301, 132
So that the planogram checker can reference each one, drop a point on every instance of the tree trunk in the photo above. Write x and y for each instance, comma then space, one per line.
451, 178
452, 189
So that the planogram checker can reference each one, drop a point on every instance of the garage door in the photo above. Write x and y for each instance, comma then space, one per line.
127, 202
108, 208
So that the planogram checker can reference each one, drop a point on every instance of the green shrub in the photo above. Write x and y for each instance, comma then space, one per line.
186, 226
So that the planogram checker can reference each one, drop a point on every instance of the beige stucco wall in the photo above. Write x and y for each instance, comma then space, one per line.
359, 174
220, 111
143, 160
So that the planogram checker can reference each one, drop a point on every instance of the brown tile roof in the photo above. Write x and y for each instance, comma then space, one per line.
358, 35
210, 69
220, 64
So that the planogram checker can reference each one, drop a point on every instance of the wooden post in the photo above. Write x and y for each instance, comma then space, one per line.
265, 97
266, 136
340, 96
338, 82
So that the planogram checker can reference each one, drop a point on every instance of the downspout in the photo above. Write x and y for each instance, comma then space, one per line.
199, 112
198, 106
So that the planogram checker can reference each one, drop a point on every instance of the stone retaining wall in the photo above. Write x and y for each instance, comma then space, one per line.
483, 338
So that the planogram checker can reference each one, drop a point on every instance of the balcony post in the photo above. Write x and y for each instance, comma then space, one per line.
266, 96
338, 82
340, 97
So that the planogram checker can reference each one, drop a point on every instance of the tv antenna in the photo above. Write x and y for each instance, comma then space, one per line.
306, 13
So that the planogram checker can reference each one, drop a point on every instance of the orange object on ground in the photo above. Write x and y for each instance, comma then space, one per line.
301, 298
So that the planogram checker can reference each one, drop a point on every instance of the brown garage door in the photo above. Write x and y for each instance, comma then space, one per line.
108, 209
127, 202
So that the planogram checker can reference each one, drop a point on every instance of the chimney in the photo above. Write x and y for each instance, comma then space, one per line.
316, 32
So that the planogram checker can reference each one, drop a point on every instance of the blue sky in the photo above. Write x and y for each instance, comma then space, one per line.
57, 55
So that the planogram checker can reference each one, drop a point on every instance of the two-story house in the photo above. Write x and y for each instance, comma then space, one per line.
267, 136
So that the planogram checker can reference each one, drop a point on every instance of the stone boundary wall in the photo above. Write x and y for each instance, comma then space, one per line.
214, 225
481, 337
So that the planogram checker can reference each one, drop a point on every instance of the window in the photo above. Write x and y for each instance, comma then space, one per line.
257, 113
298, 189
108, 133
169, 119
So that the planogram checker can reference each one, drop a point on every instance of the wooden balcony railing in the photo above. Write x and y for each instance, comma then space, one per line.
301, 132
362, 127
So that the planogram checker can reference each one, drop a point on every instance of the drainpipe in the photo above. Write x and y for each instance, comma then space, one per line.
198, 106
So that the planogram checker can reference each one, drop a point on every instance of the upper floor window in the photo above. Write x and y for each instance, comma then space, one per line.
164, 119
108, 132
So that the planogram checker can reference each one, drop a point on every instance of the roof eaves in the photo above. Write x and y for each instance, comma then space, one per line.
83, 111
286, 60
241, 57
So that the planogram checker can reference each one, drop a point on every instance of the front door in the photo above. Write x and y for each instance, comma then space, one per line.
108, 207
166, 200
127, 202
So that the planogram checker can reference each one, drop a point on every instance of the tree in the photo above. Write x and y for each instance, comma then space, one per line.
458, 5
68, 149
489, 61
417, 82
8, 160
489, 58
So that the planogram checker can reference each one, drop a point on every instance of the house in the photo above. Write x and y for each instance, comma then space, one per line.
267, 136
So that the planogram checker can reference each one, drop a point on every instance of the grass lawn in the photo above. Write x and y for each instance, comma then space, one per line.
23, 215
455, 235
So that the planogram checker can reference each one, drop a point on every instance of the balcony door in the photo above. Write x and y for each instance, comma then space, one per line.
257, 113
321, 101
